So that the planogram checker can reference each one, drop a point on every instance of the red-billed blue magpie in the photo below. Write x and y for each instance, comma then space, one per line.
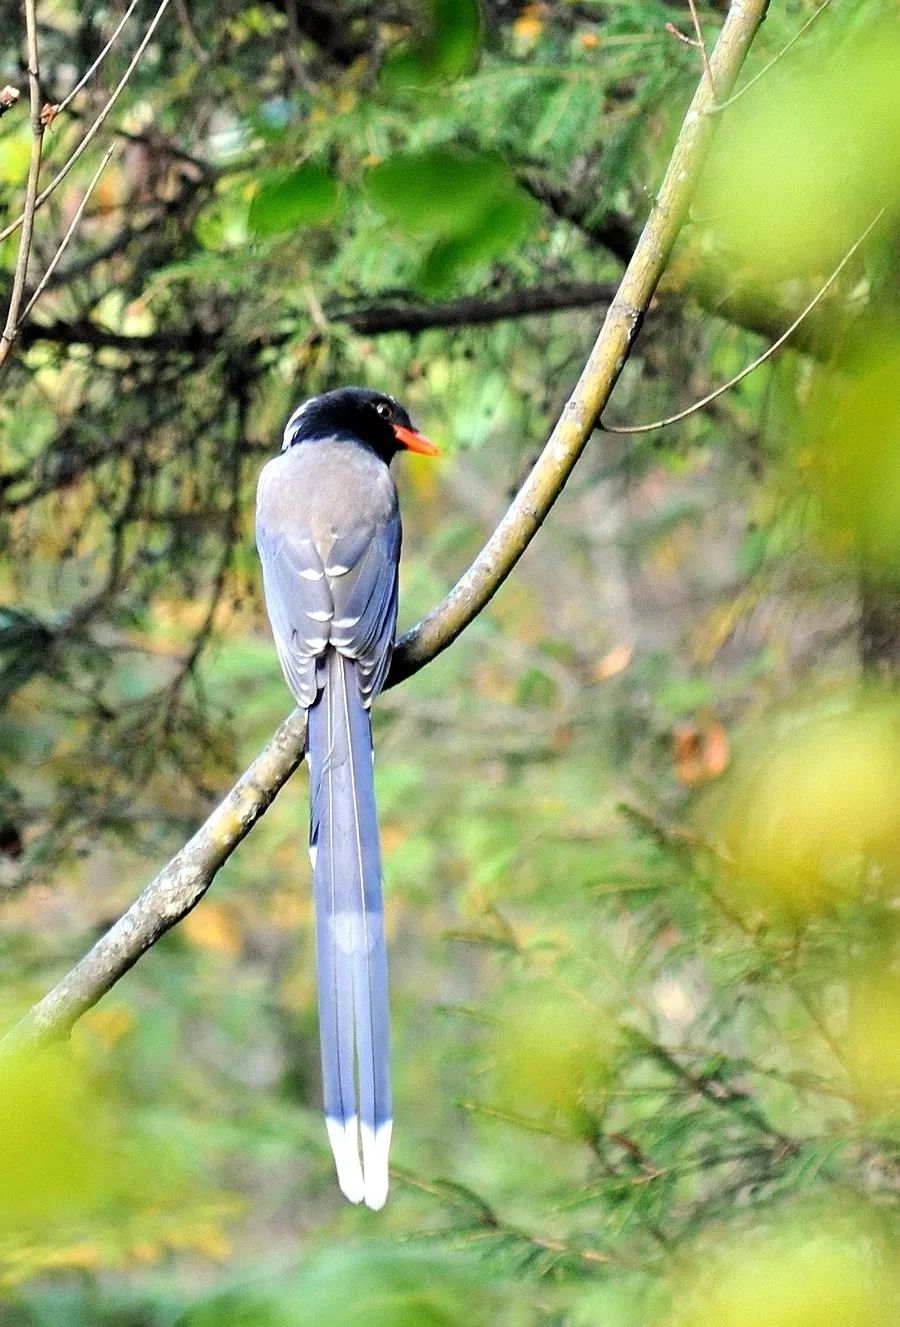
328, 533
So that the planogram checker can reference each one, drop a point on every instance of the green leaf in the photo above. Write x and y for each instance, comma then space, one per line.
287, 200
497, 231
441, 191
445, 46
469, 205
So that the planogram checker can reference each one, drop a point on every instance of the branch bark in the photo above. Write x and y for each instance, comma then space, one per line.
70, 231
31, 194
95, 128
184, 881
371, 320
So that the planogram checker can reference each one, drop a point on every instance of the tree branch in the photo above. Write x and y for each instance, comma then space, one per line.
92, 69
762, 313
372, 320
95, 127
31, 193
184, 881
720, 106
64, 242
475, 310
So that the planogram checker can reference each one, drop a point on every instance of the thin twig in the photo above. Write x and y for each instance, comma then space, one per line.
760, 359
682, 36
582, 411
31, 193
184, 881
95, 127
92, 69
190, 32
292, 48
64, 242
701, 42
720, 106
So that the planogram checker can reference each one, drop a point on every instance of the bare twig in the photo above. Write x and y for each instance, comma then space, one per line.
601, 372
292, 47
474, 310
92, 69
720, 106
681, 36
190, 32
760, 359
95, 127
64, 242
31, 194
701, 42
183, 882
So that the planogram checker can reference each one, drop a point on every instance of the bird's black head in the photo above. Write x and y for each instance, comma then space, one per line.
357, 413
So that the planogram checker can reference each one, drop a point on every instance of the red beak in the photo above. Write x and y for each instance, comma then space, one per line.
414, 441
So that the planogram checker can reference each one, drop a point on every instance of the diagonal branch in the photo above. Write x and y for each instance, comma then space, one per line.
720, 106
31, 194
183, 882
64, 242
95, 128
92, 69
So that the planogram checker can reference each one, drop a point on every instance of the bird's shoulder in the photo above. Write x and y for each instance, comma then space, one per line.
324, 487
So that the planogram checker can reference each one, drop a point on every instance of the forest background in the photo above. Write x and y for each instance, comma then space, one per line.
641, 822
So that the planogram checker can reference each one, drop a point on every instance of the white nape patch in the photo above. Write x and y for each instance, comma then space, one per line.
320, 615
376, 1144
311, 574
291, 427
344, 622
344, 1139
337, 570
313, 854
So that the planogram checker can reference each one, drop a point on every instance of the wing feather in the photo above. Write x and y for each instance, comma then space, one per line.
355, 610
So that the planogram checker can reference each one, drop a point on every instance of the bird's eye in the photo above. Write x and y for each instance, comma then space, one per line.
385, 409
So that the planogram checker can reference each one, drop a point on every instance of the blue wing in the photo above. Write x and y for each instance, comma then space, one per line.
346, 599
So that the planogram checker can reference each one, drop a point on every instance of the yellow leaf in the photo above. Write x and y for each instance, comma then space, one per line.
823, 1272
613, 663
393, 836
530, 23
810, 817
213, 926
870, 1041
109, 1022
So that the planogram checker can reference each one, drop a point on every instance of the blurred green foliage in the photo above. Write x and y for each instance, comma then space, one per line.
639, 824
287, 200
824, 124
443, 44
460, 207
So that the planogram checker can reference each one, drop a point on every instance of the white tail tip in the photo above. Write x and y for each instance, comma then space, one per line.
344, 1139
376, 1144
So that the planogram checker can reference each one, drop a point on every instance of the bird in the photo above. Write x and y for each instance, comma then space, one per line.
328, 533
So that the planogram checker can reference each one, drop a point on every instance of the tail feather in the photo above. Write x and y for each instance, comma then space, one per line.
351, 953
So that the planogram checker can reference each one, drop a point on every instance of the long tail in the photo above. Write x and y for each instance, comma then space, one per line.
351, 955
